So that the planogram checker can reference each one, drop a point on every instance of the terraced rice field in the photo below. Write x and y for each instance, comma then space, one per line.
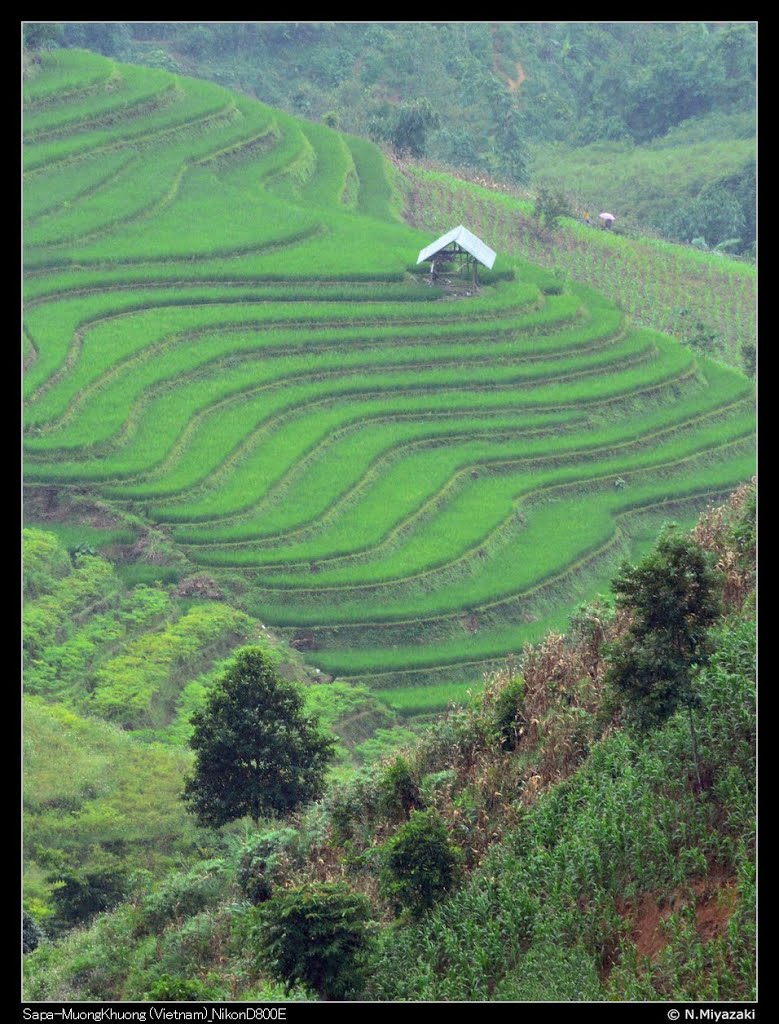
221, 333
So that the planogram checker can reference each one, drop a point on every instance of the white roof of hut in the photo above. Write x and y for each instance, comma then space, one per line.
466, 240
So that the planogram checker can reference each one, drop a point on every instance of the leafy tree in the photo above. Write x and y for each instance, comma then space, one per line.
256, 752
80, 894
672, 596
316, 936
42, 35
419, 864
551, 204
404, 126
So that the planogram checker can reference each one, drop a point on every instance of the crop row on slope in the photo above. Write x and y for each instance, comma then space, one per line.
669, 287
229, 343
541, 434
116, 350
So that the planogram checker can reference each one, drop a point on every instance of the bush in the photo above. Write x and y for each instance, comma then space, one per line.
184, 894
507, 713
181, 990
419, 865
261, 866
316, 936
398, 791
551, 204
32, 933
80, 896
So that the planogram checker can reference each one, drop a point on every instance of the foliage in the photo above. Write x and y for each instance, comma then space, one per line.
42, 35
716, 215
182, 895
507, 713
139, 686
32, 933
256, 753
45, 562
494, 85
405, 126
316, 936
182, 990
398, 790
564, 886
419, 865
80, 895
263, 862
672, 597
551, 203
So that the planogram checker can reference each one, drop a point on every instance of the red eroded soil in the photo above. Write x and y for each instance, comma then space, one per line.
715, 901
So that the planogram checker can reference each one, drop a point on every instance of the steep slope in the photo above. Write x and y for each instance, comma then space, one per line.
408, 480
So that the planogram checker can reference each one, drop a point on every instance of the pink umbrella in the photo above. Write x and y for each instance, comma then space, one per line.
606, 216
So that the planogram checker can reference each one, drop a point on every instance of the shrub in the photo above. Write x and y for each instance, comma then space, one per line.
316, 936
551, 204
262, 863
181, 990
32, 933
419, 865
184, 894
81, 895
398, 791
507, 713
45, 562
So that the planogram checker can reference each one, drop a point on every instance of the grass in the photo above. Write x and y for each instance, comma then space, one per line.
223, 338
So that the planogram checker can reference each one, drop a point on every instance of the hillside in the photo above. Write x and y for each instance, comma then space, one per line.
250, 420
225, 340
112, 674
654, 121
595, 864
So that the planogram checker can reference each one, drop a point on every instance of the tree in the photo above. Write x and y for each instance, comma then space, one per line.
672, 596
551, 204
82, 893
316, 936
42, 35
404, 126
256, 752
419, 864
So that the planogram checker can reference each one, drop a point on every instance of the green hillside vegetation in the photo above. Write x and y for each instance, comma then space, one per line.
224, 342
250, 420
653, 121
705, 300
112, 677
710, 162
562, 856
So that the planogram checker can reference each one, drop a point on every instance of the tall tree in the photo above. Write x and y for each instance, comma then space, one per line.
256, 752
673, 598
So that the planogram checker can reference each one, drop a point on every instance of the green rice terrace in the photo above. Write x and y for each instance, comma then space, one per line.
225, 338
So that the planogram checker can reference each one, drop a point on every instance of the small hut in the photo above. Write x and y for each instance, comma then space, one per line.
458, 248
